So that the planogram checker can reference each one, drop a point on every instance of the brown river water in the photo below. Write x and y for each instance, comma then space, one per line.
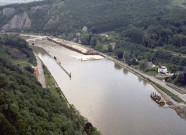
113, 99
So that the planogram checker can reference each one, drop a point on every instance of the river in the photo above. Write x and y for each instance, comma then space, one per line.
113, 99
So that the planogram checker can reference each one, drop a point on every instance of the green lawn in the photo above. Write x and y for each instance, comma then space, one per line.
151, 73
50, 82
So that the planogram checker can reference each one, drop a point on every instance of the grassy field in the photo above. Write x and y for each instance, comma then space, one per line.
151, 73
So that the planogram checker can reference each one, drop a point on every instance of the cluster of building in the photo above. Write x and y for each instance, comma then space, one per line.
162, 70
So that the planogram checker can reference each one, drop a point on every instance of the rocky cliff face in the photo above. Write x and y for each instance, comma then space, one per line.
18, 21
8, 11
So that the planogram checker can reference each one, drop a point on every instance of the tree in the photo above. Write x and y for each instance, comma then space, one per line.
182, 62
6, 127
94, 30
109, 49
85, 40
179, 80
119, 53
93, 41
148, 56
143, 65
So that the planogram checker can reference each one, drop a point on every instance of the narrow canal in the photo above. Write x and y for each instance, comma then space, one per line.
116, 101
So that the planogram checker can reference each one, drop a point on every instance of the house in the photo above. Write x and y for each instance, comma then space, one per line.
36, 72
104, 35
163, 70
84, 28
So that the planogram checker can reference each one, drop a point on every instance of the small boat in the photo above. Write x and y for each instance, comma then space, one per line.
157, 98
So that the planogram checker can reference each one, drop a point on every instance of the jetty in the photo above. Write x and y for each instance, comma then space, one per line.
59, 63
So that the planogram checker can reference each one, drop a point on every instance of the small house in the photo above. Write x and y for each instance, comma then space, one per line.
163, 70
84, 28
104, 35
36, 72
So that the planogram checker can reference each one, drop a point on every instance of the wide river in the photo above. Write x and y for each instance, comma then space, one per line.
113, 99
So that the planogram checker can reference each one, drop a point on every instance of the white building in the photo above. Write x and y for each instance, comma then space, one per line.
163, 70
84, 28
104, 35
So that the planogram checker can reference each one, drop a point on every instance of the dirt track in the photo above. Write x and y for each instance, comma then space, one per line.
41, 77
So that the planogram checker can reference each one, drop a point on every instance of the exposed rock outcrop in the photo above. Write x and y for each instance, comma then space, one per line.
8, 11
34, 9
52, 21
20, 22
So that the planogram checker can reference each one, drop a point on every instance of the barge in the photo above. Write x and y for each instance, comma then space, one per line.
157, 99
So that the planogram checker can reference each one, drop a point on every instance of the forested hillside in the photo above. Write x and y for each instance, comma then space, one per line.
68, 16
25, 107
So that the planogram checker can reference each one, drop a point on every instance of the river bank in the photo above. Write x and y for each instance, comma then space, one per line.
105, 93
155, 83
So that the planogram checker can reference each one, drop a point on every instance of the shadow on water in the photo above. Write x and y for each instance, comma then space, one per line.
125, 71
117, 66
141, 80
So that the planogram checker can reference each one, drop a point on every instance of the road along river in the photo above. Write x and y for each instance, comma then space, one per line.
113, 99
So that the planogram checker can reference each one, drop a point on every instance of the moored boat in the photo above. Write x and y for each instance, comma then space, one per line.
157, 99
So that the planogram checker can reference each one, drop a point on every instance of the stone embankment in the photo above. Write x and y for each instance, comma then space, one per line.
73, 46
